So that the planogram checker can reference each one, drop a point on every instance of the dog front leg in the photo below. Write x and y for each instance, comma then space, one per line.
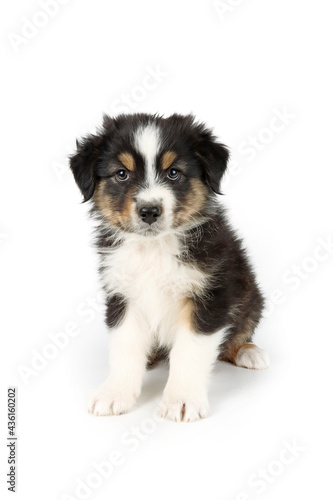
191, 360
127, 358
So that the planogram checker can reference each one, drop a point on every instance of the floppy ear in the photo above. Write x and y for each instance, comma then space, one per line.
85, 161
214, 158
83, 165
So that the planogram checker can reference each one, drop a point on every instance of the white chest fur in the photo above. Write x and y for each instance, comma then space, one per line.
147, 272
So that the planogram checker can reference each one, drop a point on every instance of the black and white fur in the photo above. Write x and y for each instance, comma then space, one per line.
177, 280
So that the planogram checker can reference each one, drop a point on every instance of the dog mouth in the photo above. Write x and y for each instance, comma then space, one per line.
149, 229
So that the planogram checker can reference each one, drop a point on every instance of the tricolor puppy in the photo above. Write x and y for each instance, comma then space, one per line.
177, 280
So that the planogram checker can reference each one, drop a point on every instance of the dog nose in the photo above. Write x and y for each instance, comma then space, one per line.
149, 214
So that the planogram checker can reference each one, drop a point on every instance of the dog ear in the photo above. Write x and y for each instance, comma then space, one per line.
83, 165
85, 161
214, 159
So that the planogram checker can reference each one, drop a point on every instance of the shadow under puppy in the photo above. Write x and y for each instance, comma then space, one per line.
177, 280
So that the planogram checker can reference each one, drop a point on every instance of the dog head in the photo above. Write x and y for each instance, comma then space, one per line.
147, 174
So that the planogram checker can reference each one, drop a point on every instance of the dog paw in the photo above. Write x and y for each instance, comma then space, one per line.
183, 409
251, 356
106, 402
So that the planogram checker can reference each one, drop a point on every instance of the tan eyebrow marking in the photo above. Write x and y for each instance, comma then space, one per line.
167, 159
127, 160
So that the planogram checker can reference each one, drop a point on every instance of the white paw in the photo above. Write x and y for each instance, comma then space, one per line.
105, 401
183, 409
251, 356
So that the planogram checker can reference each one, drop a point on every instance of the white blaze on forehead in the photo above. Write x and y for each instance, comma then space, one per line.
147, 142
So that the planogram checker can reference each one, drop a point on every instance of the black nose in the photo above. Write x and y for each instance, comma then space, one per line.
149, 214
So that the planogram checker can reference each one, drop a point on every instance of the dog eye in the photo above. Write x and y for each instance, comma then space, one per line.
173, 174
122, 175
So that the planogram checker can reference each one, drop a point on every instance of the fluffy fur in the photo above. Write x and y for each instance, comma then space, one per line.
178, 283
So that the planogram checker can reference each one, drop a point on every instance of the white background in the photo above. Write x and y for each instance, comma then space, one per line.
234, 70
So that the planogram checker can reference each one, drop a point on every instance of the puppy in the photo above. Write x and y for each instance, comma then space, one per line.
177, 280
